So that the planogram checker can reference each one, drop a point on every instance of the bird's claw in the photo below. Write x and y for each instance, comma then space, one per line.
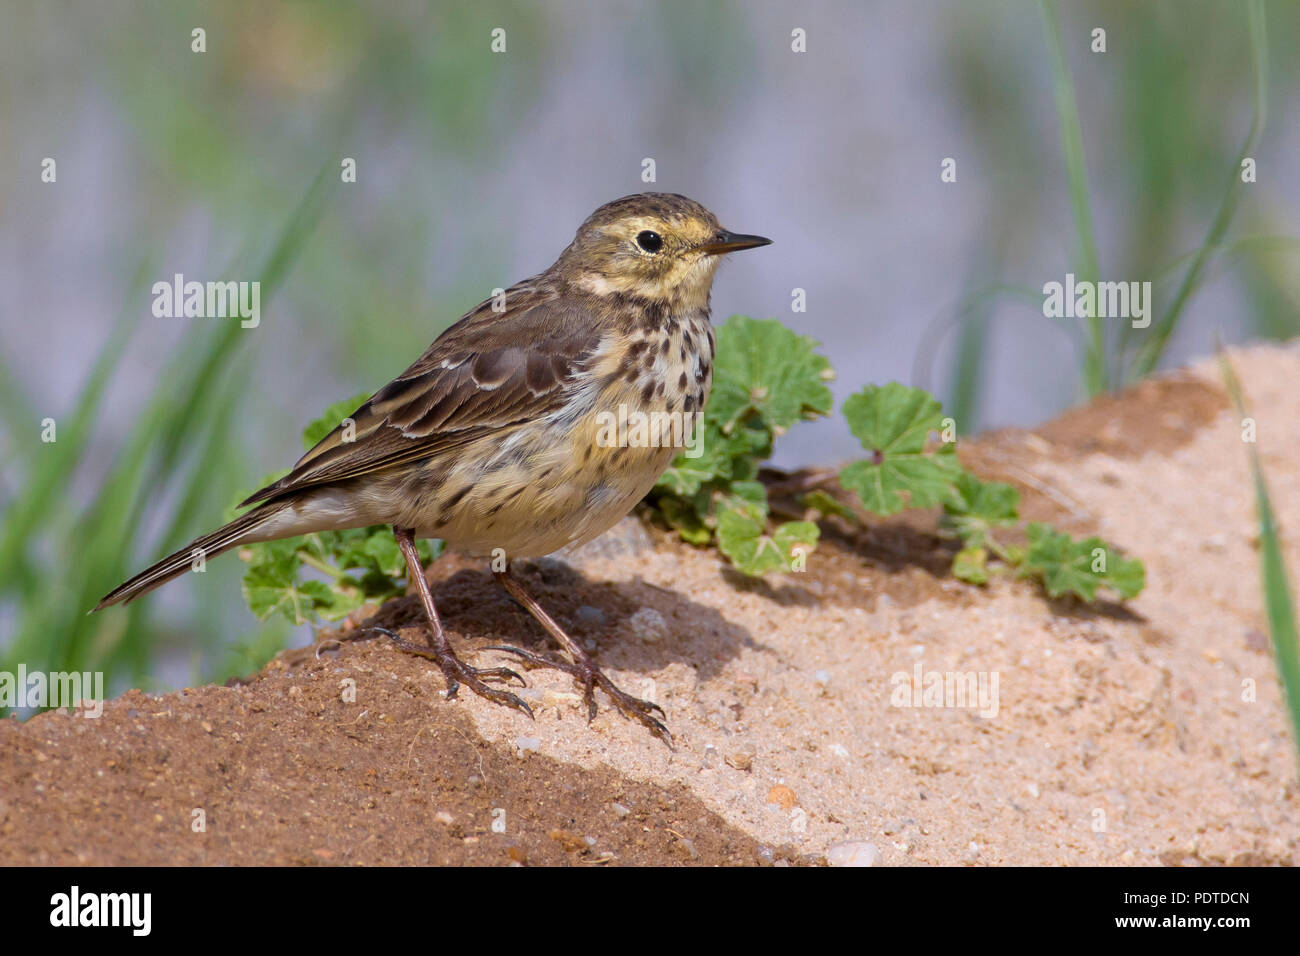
457, 672
589, 676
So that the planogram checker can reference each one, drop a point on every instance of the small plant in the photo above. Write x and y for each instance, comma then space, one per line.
359, 565
767, 379
894, 423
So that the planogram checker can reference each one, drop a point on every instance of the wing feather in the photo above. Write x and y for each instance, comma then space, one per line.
489, 373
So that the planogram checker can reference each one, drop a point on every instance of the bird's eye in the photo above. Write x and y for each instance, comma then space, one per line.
650, 241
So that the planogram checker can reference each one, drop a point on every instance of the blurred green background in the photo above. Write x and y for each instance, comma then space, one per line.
473, 170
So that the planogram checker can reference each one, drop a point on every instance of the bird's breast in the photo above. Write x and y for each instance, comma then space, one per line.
567, 477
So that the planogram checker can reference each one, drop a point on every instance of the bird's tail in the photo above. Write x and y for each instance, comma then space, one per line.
243, 529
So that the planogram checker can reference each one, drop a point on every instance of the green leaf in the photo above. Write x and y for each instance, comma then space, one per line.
272, 583
382, 548
686, 476
332, 418
993, 502
347, 550
976, 507
819, 500
333, 602
749, 443
686, 520
1126, 576
762, 366
971, 565
1080, 567
893, 419
927, 480
1060, 562
270, 587
742, 538
893, 422
724, 456
796, 534
750, 497
276, 563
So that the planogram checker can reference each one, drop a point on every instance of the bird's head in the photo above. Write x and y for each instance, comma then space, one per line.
658, 246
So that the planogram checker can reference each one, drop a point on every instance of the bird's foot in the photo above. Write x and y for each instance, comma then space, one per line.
588, 676
457, 672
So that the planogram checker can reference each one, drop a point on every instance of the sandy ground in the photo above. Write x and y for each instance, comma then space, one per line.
1148, 734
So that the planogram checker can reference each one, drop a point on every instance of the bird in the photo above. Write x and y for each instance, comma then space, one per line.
492, 439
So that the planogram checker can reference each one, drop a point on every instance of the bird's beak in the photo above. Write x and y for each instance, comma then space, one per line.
731, 242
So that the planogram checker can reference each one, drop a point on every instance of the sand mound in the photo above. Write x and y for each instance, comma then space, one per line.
1122, 735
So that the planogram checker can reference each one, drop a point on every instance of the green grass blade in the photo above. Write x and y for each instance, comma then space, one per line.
1242, 245
56, 463
1096, 372
1148, 356
1279, 603
17, 410
970, 358
98, 548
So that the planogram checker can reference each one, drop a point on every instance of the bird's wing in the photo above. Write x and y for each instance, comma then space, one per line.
489, 372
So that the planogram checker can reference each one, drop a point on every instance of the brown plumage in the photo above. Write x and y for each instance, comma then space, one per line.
492, 438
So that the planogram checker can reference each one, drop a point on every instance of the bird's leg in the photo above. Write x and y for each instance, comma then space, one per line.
584, 669
453, 668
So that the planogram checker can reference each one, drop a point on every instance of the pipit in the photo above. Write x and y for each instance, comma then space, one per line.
496, 440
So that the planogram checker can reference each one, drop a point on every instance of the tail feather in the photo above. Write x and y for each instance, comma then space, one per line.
209, 545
